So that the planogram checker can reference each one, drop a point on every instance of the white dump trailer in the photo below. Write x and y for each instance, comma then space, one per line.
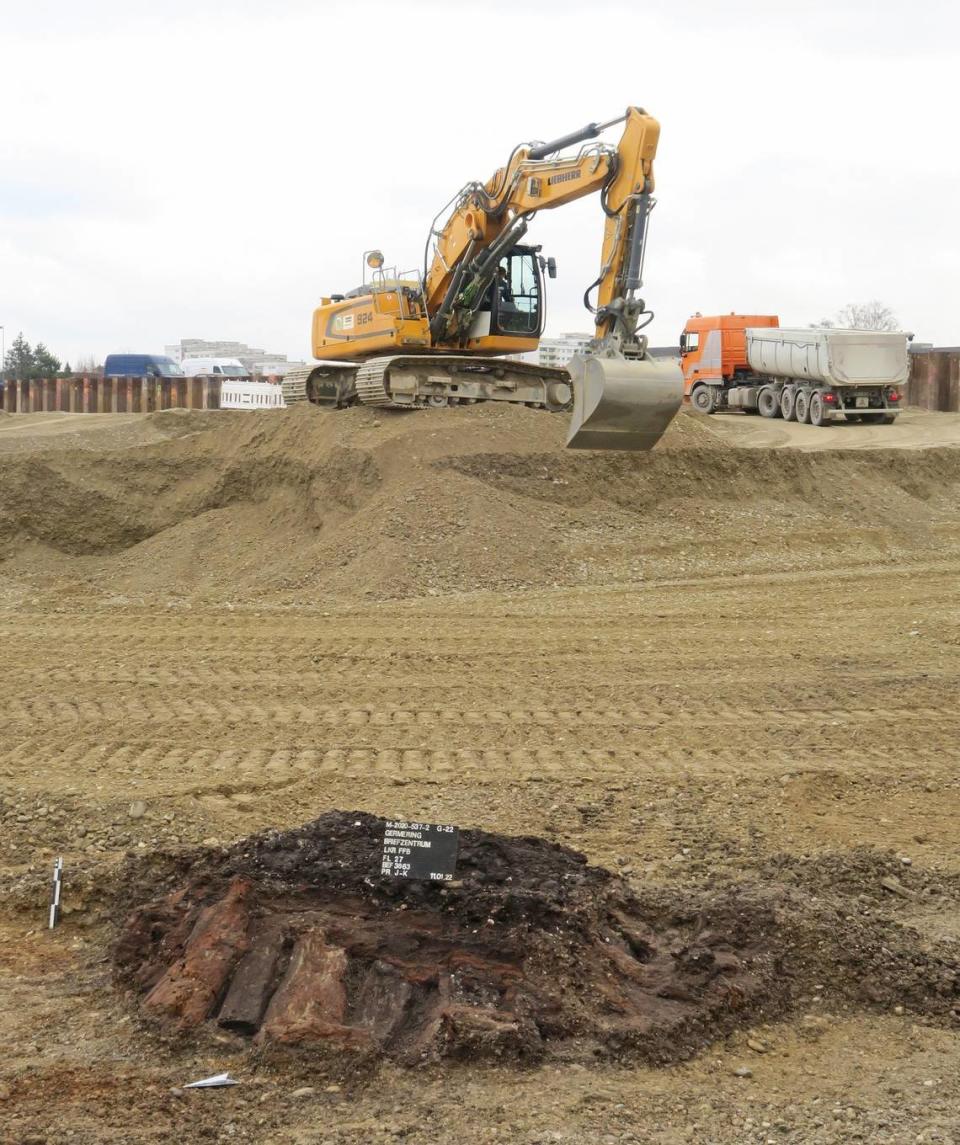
749, 362
823, 375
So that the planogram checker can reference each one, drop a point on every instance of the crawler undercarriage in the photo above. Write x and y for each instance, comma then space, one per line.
407, 381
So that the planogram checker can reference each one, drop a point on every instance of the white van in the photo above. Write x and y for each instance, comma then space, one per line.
214, 368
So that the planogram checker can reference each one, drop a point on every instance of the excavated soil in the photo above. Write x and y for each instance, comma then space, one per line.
300, 504
725, 673
294, 939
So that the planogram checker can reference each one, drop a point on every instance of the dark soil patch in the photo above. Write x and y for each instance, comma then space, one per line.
294, 939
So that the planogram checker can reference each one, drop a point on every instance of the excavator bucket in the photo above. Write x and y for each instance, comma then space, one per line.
619, 403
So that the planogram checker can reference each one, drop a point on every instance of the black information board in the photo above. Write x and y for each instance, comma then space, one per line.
419, 850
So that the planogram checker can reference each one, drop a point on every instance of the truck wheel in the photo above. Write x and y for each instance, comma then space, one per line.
703, 400
818, 410
801, 406
787, 403
768, 402
887, 419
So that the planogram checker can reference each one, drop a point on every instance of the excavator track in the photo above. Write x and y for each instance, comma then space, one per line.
293, 386
413, 382
324, 385
371, 384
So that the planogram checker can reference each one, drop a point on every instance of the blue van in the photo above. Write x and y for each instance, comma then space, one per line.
140, 366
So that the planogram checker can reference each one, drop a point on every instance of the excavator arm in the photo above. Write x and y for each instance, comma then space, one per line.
489, 219
622, 399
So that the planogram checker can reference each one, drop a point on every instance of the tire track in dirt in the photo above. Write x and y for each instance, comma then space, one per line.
518, 617
653, 692
652, 699
187, 710
173, 771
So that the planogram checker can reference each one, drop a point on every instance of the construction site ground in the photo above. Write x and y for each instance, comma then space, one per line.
735, 656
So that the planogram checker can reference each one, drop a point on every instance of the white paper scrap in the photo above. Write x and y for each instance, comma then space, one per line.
211, 1082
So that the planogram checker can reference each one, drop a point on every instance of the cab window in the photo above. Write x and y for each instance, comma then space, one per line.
691, 341
517, 295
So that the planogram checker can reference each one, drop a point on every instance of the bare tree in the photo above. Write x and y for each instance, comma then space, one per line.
88, 366
861, 316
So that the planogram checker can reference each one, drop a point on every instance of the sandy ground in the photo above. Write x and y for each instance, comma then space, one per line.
771, 679
913, 429
92, 431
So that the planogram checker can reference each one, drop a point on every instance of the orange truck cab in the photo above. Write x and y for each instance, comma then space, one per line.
818, 375
713, 350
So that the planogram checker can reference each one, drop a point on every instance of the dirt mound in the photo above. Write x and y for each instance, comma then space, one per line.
305, 504
343, 504
296, 940
699, 473
25, 434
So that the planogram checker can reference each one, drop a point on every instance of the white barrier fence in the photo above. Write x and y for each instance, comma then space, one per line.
250, 395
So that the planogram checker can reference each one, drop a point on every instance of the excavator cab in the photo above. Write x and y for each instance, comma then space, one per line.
518, 295
513, 306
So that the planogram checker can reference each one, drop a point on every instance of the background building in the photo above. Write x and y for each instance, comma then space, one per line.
558, 351
257, 361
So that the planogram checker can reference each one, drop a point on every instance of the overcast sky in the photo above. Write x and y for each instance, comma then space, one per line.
192, 168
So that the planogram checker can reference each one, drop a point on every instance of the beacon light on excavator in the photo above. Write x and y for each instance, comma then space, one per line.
453, 333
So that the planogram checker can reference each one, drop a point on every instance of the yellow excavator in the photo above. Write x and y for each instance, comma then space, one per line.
453, 333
